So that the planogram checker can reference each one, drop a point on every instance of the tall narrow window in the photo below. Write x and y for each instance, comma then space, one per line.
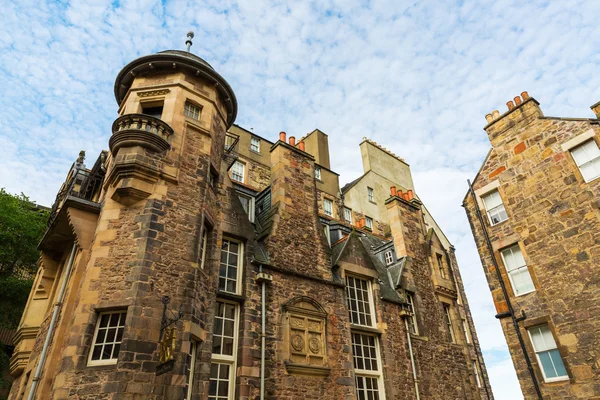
359, 301
587, 158
365, 350
248, 204
190, 370
348, 215
448, 322
202, 249
370, 194
328, 207
389, 257
476, 372
440, 263
518, 272
327, 233
547, 353
231, 266
225, 338
412, 321
191, 110
107, 338
318, 173
237, 171
369, 223
255, 144
494, 207
465, 328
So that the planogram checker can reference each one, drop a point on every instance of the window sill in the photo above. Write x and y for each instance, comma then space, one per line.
301, 369
372, 202
419, 337
256, 152
497, 223
366, 329
230, 296
564, 379
106, 363
526, 293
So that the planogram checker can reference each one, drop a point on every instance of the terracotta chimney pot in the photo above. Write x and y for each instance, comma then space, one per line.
489, 118
525, 95
393, 190
282, 136
406, 196
510, 105
301, 146
292, 141
495, 114
410, 194
518, 100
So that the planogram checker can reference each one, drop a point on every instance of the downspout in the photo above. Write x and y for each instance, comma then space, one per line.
262, 337
412, 358
511, 311
57, 306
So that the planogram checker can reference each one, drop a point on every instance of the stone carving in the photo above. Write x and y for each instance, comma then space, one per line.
314, 344
151, 93
298, 342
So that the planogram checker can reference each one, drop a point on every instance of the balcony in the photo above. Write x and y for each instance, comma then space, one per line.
140, 130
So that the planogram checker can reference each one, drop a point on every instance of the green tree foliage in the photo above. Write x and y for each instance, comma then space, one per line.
22, 225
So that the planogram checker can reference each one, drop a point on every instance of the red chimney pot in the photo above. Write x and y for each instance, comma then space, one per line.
525, 95
510, 105
393, 190
518, 100
292, 141
282, 136
301, 146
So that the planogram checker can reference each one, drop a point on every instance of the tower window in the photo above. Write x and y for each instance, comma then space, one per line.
448, 322
440, 263
255, 144
587, 158
154, 111
476, 372
547, 353
412, 321
107, 338
191, 110
494, 207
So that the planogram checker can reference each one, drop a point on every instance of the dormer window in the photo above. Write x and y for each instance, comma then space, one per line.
389, 257
494, 207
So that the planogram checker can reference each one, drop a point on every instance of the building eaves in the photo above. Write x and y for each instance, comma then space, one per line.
253, 134
347, 186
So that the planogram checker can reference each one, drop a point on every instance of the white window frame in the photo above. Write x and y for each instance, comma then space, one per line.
255, 144
369, 222
328, 204
318, 172
192, 368
448, 321
371, 303
240, 266
192, 111
327, 233
476, 371
111, 360
370, 195
494, 209
378, 374
413, 317
348, 215
511, 271
389, 257
230, 360
251, 202
588, 146
240, 166
540, 366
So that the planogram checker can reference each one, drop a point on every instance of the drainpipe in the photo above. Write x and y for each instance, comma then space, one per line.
412, 358
511, 311
262, 337
57, 305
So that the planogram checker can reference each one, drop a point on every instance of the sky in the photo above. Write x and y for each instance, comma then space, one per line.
417, 77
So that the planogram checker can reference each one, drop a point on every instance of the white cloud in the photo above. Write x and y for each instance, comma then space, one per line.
417, 77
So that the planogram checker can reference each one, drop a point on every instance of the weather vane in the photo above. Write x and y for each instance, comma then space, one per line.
188, 42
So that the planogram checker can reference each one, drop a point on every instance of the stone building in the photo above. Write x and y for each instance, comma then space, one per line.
534, 210
198, 260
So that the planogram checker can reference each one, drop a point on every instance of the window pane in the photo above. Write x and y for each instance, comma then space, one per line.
228, 268
492, 200
522, 281
358, 301
590, 170
224, 329
586, 152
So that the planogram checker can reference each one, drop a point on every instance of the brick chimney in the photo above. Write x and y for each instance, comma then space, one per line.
406, 219
296, 240
521, 111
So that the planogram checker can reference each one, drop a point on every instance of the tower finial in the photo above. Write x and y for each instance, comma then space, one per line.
188, 42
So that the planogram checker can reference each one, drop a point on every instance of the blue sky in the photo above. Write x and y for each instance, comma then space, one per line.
416, 77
